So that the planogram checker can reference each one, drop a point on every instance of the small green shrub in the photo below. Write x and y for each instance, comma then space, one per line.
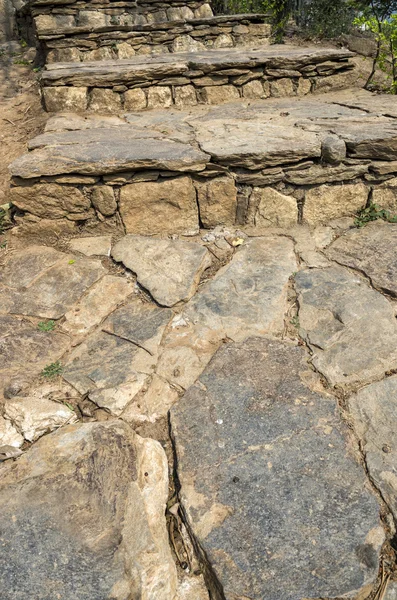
52, 370
373, 213
46, 325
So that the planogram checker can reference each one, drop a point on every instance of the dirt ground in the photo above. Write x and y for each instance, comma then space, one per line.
21, 113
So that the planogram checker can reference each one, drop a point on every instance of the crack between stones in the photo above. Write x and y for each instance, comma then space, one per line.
214, 586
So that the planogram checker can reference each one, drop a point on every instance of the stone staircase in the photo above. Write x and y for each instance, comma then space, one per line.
82, 31
267, 136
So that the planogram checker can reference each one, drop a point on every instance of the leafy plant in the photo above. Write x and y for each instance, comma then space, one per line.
373, 213
46, 325
21, 61
380, 18
52, 370
325, 19
281, 11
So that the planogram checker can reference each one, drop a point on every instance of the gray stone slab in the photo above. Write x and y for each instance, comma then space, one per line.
372, 250
350, 327
169, 269
374, 412
271, 491
146, 68
127, 345
246, 297
255, 143
101, 151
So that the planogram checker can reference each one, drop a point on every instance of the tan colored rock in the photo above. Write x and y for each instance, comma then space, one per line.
9, 436
153, 404
64, 55
104, 100
92, 246
280, 88
159, 97
65, 98
135, 99
254, 89
217, 200
115, 400
273, 208
104, 53
220, 94
304, 86
385, 195
203, 12
50, 200
125, 50
102, 298
164, 206
185, 43
104, 490
35, 416
103, 199
224, 40
185, 95
338, 81
327, 202
169, 269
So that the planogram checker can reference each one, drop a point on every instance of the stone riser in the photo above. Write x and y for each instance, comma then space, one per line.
138, 199
83, 19
184, 91
179, 37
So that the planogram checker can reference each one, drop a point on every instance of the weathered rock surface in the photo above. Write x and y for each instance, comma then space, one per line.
83, 517
372, 250
167, 206
270, 488
9, 436
169, 269
25, 351
374, 412
100, 300
246, 297
350, 327
45, 282
87, 152
112, 366
35, 416
92, 246
328, 202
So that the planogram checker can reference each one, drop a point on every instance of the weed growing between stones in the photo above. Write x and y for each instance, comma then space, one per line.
373, 213
46, 325
52, 370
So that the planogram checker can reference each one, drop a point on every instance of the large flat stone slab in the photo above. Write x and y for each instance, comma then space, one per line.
107, 150
374, 412
270, 488
372, 250
246, 297
83, 517
169, 269
44, 282
350, 327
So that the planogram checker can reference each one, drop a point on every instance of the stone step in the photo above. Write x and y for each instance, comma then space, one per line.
270, 163
124, 41
186, 79
83, 17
